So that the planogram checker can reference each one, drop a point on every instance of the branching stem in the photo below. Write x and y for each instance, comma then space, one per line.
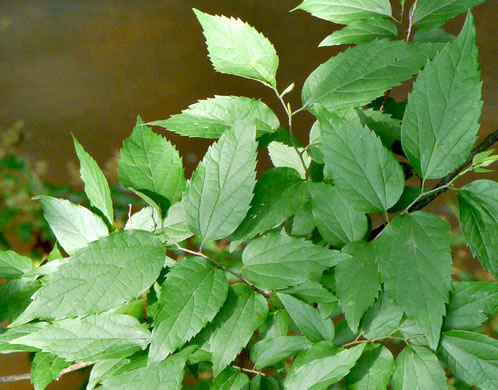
248, 370
27, 376
410, 21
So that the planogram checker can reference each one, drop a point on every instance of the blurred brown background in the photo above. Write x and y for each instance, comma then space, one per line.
89, 67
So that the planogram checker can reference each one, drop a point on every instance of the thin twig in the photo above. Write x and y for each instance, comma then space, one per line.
221, 266
254, 372
27, 376
410, 21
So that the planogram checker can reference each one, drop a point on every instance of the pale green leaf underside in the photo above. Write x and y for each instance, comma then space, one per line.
277, 261
192, 294
478, 203
150, 164
210, 118
96, 186
221, 189
337, 221
243, 312
360, 31
357, 281
45, 368
346, 11
441, 119
272, 350
363, 170
104, 369
148, 219
6, 345
237, 48
430, 13
74, 226
105, 274
175, 225
472, 357
415, 261
417, 368
373, 369
358, 75
102, 336
283, 155
13, 265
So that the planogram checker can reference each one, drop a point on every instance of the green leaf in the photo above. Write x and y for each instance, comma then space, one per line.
373, 369
311, 292
192, 294
363, 170
96, 337
73, 225
264, 383
433, 35
346, 11
6, 344
277, 261
283, 155
243, 312
230, 379
360, 31
382, 319
148, 219
357, 281
269, 351
13, 265
278, 194
96, 186
218, 195
103, 369
308, 319
15, 296
470, 305
303, 222
104, 275
237, 48
276, 325
150, 165
414, 259
431, 13
336, 220
164, 375
479, 221
45, 369
418, 368
320, 367
441, 119
175, 226
210, 118
472, 357
362, 73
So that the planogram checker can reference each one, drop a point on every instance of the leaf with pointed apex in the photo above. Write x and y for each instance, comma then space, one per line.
337, 221
175, 226
311, 292
470, 305
373, 369
277, 261
415, 261
96, 337
364, 30
283, 155
6, 344
192, 294
479, 221
104, 275
46, 369
441, 119
13, 265
417, 368
362, 73
346, 11
148, 219
242, 314
211, 117
382, 319
276, 325
357, 281
230, 379
96, 186
308, 319
221, 189
319, 367
150, 164
363, 170
270, 351
237, 48
430, 13
277, 195
74, 226
472, 357
164, 375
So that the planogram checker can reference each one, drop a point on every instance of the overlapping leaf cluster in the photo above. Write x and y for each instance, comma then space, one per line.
311, 247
